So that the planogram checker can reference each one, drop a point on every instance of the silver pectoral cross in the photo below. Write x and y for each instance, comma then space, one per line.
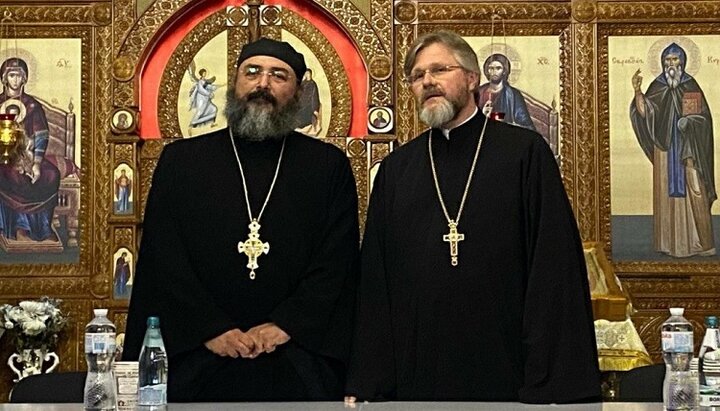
253, 247
453, 237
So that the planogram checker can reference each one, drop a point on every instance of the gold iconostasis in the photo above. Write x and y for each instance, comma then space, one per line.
116, 81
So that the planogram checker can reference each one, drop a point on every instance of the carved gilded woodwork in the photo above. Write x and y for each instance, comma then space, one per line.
41, 14
214, 25
476, 12
405, 115
381, 22
584, 11
585, 130
654, 11
115, 41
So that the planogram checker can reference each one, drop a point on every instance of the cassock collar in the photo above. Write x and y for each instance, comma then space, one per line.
460, 127
446, 131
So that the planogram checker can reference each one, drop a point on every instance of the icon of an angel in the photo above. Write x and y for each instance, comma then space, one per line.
201, 95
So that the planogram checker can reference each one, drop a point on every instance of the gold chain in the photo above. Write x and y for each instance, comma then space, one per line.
242, 175
455, 221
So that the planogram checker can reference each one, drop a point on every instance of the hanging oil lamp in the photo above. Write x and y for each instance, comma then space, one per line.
11, 135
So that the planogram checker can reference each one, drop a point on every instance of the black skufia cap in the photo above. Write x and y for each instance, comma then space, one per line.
279, 49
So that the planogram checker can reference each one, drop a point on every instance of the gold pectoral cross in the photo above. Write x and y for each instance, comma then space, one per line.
253, 247
453, 237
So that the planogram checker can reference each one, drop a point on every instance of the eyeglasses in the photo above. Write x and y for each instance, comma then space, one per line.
435, 72
277, 75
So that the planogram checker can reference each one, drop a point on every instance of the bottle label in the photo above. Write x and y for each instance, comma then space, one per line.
677, 341
152, 395
99, 343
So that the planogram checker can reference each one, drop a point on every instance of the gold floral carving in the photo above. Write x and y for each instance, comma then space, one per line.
381, 21
237, 37
101, 13
124, 94
379, 152
271, 16
152, 148
124, 153
406, 12
123, 19
405, 120
148, 25
482, 12
674, 11
66, 14
237, 16
120, 320
357, 25
380, 67
381, 93
356, 149
124, 237
149, 155
584, 131
273, 32
584, 11
339, 142
103, 175
45, 284
567, 147
123, 68
648, 326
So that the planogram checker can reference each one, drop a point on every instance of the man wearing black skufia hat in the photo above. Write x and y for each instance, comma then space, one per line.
249, 249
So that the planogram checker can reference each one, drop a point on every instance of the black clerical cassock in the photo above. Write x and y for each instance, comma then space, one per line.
192, 276
513, 320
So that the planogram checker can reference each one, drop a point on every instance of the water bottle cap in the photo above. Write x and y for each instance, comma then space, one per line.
100, 312
677, 311
153, 322
711, 321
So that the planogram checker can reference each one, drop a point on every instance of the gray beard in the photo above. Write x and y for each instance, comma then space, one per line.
256, 121
438, 115
673, 80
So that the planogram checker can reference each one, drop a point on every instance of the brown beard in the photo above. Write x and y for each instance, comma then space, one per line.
257, 117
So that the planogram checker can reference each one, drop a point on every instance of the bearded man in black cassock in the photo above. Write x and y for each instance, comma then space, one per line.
473, 282
249, 249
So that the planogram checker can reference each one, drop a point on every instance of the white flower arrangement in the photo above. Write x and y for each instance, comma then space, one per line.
34, 324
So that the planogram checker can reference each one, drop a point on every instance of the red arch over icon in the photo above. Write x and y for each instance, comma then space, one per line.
166, 43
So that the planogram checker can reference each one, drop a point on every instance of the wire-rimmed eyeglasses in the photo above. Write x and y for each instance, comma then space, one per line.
434, 71
277, 75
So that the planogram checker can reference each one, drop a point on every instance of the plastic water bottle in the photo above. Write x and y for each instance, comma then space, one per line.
680, 389
709, 357
153, 367
100, 389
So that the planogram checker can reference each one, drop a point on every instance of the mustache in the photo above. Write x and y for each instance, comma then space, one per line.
431, 92
262, 95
